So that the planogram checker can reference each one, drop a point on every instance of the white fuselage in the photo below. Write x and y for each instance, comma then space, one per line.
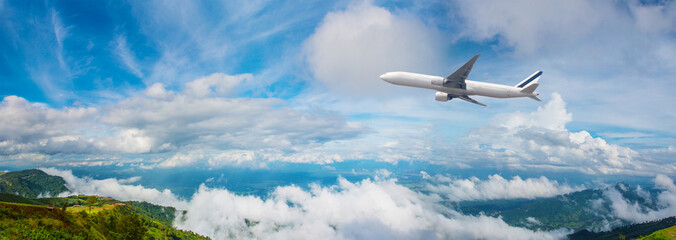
472, 87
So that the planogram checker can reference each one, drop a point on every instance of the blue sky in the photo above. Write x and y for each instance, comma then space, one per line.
165, 84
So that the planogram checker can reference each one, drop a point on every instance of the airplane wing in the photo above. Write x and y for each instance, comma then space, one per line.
457, 79
467, 98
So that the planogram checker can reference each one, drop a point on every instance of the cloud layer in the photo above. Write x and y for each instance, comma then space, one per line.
115, 188
633, 211
366, 209
378, 208
496, 187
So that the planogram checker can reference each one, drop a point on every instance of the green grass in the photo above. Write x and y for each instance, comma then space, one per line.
93, 210
667, 233
24, 204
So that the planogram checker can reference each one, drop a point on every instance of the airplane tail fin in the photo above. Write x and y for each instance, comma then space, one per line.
529, 85
534, 78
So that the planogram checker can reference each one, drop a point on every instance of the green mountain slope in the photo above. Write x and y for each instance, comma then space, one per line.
31, 183
628, 232
23, 221
664, 234
12, 198
587, 209
162, 214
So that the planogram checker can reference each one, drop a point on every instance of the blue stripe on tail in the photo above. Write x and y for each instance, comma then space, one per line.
530, 79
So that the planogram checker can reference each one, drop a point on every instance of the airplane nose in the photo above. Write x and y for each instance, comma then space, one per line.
385, 77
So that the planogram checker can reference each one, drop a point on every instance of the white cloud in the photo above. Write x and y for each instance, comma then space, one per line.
367, 209
496, 187
217, 83
179, 160
201, 119
115, 188
529, 26
130, 180
540, 140
31, 127
159, 91
127, 56
257, 158
553, 25
635, 212
351, 48
198, 118
626, 134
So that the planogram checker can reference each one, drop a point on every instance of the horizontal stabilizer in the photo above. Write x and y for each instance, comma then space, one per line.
535, 98
531, 88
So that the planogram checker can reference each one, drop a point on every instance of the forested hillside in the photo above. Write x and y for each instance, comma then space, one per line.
104, 221
25, 216
628, 232
31, 183
587, 209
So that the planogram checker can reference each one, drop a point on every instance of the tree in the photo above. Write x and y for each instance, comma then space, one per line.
64, 206
91, 200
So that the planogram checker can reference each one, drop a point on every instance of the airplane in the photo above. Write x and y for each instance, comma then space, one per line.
456, 85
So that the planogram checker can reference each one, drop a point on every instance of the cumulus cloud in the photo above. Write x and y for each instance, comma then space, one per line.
351, 48
547, 22
555, 25
201, 118
496, 187
167, 120
32, 127
540, 140
366, 209
633, 211
114, 188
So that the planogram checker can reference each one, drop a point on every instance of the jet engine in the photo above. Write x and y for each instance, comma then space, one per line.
442, 97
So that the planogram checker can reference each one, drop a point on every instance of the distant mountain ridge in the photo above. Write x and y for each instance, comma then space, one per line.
627, 232
31, 183
587, 209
